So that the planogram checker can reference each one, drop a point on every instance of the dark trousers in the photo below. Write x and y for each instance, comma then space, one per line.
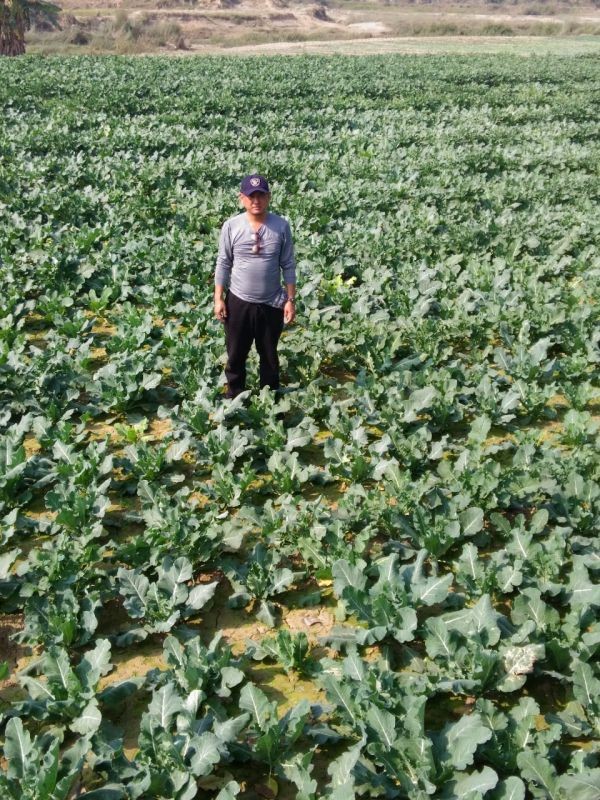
246, 323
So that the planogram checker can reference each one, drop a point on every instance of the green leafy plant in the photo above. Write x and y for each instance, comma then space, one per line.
67, 694
257, 580
161, 603
269, 738
37, 770
291, 650
208, 671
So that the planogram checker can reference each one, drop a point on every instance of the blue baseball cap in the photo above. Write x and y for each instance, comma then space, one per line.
254, 183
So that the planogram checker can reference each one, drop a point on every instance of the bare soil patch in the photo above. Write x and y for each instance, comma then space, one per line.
15, 655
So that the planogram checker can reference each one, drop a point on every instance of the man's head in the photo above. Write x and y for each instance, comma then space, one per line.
255, 195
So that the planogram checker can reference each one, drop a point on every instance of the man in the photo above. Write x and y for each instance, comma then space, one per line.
255, 251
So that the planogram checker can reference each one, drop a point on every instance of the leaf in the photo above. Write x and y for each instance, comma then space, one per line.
89, 721
539, 521
539, 771
111, 791
359, 603
418, 401
384, 725
58, 669
267, 614
206, 754
298, 770
115, 694
191, 702
581, 786
354, 667
340, 770
582, 591
480, 427
63, 451
37, 689
471, 521
164, 705
267, 746
432, 591
485, 618
230, 677
229, 792
529, 605
131, 636
94, 663
230, 729
388, 572
512, 788
151, 380
134, 587
300, 436
476, 784
200, 595
6, 562
510, 400
177, 450
146, 493
510, 577
539, 350
17, 747
461, 739
252, 699
281, 580
586, 687
346, 574
340, 696
439, 640
172, 573
294, 720
480, 618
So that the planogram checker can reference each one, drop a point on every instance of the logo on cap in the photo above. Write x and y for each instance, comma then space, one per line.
255, 181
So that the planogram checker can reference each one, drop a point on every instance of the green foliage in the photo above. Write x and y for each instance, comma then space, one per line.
288, 649
257, 580
58, 691
37, 770
271, 739
161, 603
428, 478
210, 671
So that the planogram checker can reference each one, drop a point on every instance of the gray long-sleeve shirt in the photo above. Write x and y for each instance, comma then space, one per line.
255, 277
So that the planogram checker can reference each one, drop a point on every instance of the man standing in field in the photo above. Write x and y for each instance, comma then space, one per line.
255, 251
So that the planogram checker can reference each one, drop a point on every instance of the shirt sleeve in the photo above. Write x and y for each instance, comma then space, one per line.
224, 257
287, 260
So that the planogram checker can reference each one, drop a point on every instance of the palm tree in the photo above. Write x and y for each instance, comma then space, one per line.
16, 17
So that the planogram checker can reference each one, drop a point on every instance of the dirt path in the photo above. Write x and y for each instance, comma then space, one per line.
418, 45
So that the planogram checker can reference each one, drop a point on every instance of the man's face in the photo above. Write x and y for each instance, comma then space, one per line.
256, 203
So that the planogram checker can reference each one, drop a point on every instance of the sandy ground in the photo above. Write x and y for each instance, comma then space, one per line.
289, 26
525, 45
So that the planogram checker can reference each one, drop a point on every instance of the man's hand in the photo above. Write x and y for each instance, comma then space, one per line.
289, 312
220, 310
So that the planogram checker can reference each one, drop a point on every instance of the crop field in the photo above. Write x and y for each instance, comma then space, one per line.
381, 582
